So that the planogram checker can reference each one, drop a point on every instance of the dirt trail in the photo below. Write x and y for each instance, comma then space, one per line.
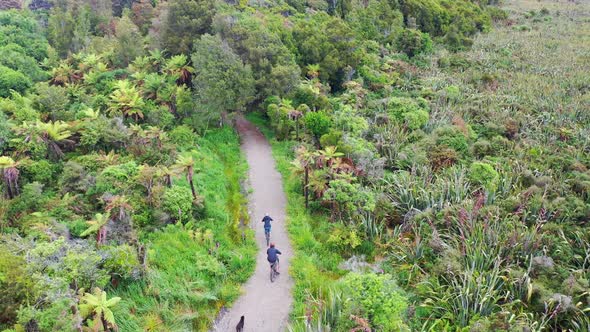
265, 305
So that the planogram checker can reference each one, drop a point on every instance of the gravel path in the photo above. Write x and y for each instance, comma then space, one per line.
265, 305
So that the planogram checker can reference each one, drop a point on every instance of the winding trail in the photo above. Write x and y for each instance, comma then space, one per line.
265, 305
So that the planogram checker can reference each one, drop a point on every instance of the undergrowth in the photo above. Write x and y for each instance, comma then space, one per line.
196, 268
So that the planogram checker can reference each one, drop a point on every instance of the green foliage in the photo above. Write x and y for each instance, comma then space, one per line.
413, 42
183, 21
376, 298
129, 43
12, 80
484, 175
222, 82
318, 123
273, 66
328, 42
5, 133
178, 202
116, 179
183, 136
452, 137
410, 112
21, 28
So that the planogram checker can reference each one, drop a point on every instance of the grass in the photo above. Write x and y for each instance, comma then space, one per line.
188, 280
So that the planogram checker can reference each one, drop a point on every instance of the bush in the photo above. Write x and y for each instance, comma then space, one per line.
12, 80
183, 136
411, 112
377, 298
116, 179
452, 137
318, 123
413, 42
484, 175
178, 202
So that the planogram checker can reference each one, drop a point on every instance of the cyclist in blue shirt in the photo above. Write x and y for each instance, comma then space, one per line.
272, 256
266, 220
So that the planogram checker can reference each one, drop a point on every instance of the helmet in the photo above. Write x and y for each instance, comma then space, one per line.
272, 244
266, 214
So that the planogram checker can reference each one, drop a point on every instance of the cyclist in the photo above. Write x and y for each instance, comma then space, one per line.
272, 256
266, 220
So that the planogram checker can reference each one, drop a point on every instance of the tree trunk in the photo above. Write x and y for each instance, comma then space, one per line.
305, 187
105, 324
190, 180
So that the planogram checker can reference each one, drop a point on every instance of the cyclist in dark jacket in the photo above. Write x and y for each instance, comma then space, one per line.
272, 256
266, 220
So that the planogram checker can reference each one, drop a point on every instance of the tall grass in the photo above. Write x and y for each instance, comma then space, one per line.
188, 280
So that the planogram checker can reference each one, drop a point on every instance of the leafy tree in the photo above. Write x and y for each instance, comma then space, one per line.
5, 132
60, 30
329, 42
483, 174
376, 20
142, 13
20, 28
129, 42
183, 22
14, 57
98, 308
222, 82
273, 66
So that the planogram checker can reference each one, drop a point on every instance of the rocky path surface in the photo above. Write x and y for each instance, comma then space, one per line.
265, 305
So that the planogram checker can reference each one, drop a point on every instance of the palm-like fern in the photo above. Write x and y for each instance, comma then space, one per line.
186, 163
177, 66
10, 174
98, 226
126, 100
96, 306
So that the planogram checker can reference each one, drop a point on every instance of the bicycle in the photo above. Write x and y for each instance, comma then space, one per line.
273, 271
267, 236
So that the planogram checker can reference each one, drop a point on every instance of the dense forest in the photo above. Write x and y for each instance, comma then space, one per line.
435, 156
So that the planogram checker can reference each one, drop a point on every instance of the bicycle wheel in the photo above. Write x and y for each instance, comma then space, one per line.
267, 235
273, 272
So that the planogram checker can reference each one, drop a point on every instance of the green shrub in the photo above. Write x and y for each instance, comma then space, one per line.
452, 137
116, 179
183, 136
376, 298
413, 42
121, 261
411, 112
318, 123
41, 171
482, 148
178, 202
484, 175
11, 79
